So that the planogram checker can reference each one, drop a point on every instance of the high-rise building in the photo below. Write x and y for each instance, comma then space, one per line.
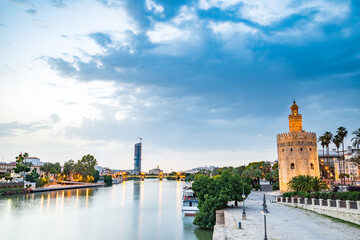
137, 158
297, 151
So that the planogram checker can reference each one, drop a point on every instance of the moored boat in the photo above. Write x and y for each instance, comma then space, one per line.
190, 202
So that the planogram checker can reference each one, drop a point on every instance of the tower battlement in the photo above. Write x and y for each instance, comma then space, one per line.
292, 135
297, 151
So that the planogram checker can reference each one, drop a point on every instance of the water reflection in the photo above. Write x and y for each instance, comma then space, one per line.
133, 210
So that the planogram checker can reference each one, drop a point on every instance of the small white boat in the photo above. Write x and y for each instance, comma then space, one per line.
190, 202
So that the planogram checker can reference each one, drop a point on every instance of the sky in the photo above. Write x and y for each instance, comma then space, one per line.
203, 82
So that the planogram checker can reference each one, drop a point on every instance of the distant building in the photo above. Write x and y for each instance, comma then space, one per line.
33, 160
156, 171
100, 169
297, 151
6, 167
335, 163
137, 158
199, 169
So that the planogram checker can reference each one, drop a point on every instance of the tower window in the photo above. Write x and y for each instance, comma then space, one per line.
292, 166
300, 149
310, 149
311, 166
291, 149
282, 149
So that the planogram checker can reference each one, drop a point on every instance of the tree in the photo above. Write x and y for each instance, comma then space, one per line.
55, 169
321, 139
214, 193
356, 139
306, 183
68, 167
327, 139
46, 168
86, 166
32, 177
108, 180
96, 176
342, 132
21, 166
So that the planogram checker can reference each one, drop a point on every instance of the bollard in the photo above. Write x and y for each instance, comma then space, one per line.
240, 225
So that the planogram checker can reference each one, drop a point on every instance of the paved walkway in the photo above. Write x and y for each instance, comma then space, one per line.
283, 222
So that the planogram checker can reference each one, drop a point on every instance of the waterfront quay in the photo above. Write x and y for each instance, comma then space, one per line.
73, 185
283, 223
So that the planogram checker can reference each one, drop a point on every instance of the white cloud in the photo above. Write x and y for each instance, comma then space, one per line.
165, 32
184, 28
229, 29
153, 6
266, 12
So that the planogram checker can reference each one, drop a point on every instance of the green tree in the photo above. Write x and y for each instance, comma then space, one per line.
327, 139
32, 177
214, 193
86, 166
342, 132
69, 167
21, 165
96, 176
306, 183
46, 168
108, 180
322, 140
356, 139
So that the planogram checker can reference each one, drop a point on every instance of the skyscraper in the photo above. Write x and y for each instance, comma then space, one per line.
137, 158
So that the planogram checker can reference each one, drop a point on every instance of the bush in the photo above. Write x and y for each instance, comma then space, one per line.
108, 180
256, 187
275, 186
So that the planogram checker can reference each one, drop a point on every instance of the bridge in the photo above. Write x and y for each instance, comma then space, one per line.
161, 176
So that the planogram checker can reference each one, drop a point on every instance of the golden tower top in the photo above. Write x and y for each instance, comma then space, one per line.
295, 119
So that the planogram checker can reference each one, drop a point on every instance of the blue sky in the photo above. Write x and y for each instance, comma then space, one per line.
206, 82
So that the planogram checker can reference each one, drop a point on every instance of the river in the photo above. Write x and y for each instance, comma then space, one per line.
149, 209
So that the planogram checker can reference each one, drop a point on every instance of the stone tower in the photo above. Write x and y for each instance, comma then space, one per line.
297, 151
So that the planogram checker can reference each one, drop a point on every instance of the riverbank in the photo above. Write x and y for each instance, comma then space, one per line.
65, 187
283, 222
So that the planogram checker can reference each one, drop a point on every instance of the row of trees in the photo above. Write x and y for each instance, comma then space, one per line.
215, 192
82, 170
338, 140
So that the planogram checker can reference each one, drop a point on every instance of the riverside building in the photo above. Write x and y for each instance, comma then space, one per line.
297, 151
137, 158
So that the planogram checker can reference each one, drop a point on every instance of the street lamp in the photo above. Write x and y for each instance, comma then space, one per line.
243, 196
264, 212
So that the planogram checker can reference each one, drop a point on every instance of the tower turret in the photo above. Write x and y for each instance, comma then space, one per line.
295, 119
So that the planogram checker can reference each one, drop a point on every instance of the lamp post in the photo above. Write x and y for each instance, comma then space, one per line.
264, 212
243, 196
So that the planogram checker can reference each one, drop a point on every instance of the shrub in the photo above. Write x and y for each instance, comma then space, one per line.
275, 186
108, 180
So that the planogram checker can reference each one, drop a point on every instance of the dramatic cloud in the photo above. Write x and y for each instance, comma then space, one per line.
187, 76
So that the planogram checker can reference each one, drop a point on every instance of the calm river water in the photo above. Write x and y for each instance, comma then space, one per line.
133, 210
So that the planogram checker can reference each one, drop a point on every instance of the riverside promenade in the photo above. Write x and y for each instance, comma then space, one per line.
65, 187
283, 222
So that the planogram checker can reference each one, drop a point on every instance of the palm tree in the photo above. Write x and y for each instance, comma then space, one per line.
321, 139
356, 139
327, 139
342, 132
337, 141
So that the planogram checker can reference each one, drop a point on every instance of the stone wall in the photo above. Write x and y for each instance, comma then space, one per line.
297, 155
345, 210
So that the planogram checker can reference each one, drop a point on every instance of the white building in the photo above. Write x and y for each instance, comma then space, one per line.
34, 161
155, 171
